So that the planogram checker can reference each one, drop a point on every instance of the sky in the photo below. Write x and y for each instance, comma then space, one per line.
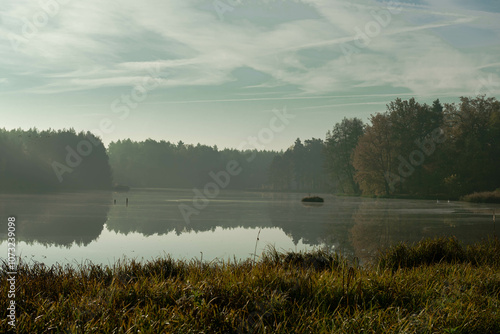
220, 72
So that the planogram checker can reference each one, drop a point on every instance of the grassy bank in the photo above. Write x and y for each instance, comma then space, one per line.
436, 286
483, 197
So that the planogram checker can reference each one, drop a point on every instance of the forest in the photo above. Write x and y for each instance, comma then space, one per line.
419, 149
50, 160
163, 164
411, 149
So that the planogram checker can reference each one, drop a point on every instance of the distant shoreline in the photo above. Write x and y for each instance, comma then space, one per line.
479, 197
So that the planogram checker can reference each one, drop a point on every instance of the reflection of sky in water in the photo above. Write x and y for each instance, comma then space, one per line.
111, 246
69, 228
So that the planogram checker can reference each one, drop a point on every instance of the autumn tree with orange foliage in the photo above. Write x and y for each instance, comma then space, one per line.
375, 156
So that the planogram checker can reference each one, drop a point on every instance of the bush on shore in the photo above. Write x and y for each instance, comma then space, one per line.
483, 197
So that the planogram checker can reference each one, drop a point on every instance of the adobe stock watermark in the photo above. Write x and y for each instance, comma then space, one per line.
32, 25
362, 38
12, 271
121, 108
487, 86
416, 158
224, 6
222, 179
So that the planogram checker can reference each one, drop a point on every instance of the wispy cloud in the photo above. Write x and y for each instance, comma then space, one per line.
341, 105
91, 45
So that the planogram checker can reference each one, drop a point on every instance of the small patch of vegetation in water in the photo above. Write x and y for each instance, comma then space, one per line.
313, 199
483, 197
435, 286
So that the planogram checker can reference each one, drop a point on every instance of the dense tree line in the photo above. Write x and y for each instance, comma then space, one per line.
394, 144
419, 149
32, 160
411, 148
301, 167
340, 145
153, 163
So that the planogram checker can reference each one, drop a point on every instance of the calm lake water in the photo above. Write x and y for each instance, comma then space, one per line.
75, 227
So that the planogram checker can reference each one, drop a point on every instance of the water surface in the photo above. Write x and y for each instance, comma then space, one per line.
76, 227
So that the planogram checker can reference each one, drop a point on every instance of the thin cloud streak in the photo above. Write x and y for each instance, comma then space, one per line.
389, 33
340, 105
263, 99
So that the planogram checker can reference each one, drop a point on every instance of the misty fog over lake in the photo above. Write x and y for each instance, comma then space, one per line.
80, 226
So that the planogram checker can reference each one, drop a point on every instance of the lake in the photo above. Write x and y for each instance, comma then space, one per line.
76, 227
